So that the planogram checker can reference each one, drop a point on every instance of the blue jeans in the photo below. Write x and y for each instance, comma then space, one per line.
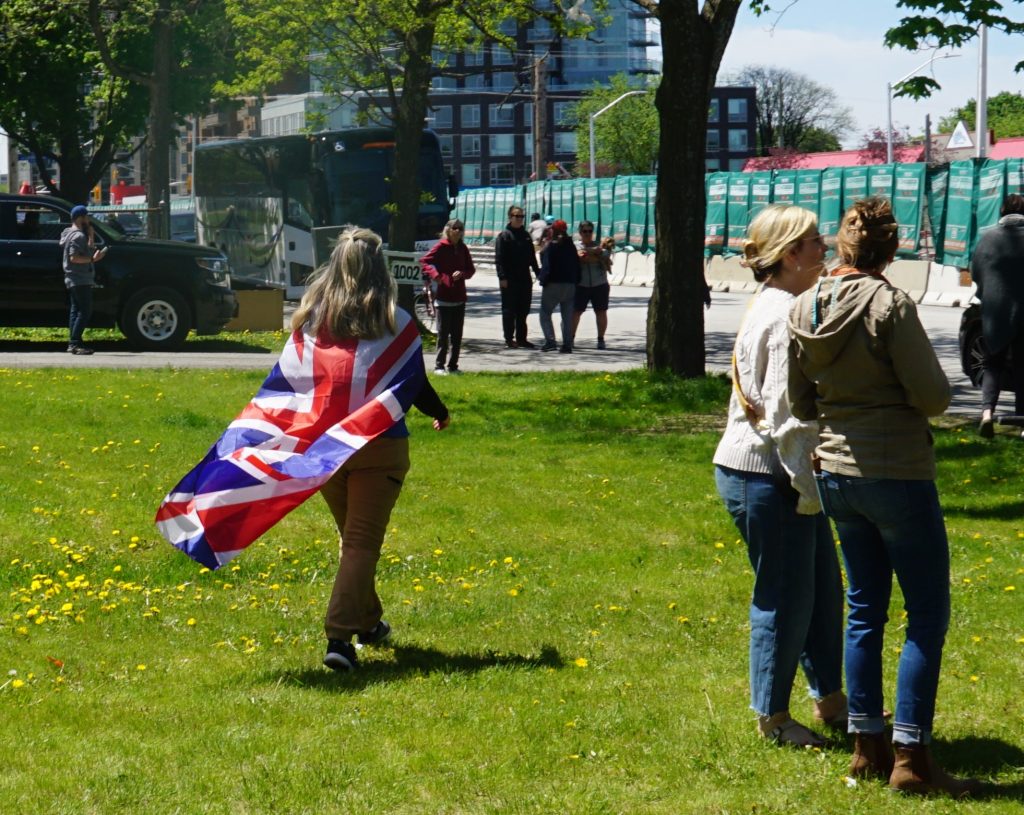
561, 295
796, 611
891, 526
81, 311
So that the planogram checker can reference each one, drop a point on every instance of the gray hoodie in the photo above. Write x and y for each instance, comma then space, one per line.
74, 241
862, 365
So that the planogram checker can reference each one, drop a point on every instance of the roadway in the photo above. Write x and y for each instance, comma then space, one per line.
484, 348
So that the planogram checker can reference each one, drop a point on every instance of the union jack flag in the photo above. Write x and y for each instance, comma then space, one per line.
321, 403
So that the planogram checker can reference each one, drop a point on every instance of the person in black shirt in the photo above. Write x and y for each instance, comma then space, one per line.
514, 258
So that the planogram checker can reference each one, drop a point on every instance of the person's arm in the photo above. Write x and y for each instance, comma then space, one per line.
914, 360
795, 440
500, 248
83, 251
427, 401
468, 269
533, 261
429, 264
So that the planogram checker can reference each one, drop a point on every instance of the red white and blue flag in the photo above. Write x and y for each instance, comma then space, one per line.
321, 403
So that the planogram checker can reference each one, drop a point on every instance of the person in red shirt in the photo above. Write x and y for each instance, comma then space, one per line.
449, 265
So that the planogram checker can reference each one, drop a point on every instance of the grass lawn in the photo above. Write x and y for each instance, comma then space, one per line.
568, 595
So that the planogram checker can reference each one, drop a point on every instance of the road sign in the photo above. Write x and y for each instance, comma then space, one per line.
405, 267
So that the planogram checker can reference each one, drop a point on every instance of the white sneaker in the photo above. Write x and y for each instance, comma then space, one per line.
440, 372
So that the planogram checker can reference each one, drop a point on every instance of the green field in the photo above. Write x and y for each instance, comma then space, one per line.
568, 595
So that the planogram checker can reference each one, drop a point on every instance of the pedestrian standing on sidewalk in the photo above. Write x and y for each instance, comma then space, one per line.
863, 366
559, 274
997, 268
514, 259
449, 265
538, 226
78, 246
763, 473
593, 288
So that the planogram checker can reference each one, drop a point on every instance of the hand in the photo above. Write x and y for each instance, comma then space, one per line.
99, 254
457, 275
503, 284
441, 424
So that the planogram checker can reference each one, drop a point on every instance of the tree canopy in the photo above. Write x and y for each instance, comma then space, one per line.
794, 111
59, 104
1005, 115
942, 23
386, 52
626, 136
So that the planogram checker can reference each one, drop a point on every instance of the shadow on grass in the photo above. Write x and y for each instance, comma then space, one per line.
412, 660
1010, 511
204, 345
983, 755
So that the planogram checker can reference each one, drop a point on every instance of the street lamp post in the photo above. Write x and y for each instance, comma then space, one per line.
888, 100
593, 152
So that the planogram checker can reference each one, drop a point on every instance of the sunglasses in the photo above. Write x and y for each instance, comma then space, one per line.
586, 231
455, 229
517, 216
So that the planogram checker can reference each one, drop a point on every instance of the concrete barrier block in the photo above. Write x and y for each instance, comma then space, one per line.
719, 285
908, 275
916, 295
727, 268
619, 260
931, 298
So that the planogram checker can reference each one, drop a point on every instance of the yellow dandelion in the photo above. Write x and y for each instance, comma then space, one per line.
18, 683
190, 621
140, 667
580, 662
1010, 588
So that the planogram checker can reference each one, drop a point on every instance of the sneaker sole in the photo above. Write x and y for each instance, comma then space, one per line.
338, 662
379, 641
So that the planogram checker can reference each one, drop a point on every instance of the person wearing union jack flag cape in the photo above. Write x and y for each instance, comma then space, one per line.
330, 418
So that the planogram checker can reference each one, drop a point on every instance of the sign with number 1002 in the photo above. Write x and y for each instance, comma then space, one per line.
405, 267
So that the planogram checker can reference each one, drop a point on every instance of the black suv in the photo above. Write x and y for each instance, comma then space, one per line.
154, 291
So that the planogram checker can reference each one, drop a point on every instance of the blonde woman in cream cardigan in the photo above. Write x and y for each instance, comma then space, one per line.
764, 474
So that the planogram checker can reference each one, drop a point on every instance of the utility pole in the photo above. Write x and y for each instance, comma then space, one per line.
927, 139
540, 118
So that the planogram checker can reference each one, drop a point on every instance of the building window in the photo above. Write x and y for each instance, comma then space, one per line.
711, 165
714, 140
441, 117
503, 174
737, 110
470, 146
470, 175
503, 80
470, 115
446, 145
475, 81
736, 165
500, 56
565, 143
473, 58
541, 31
501, 115
503, 145
564, 113
443, 83
737, 139
713, 111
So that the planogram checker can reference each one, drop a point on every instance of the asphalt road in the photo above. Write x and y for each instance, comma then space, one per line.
484, 348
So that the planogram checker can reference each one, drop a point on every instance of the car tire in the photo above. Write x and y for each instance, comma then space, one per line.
156, 319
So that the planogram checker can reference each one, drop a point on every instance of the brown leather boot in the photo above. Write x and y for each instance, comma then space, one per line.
915, 771
872, 756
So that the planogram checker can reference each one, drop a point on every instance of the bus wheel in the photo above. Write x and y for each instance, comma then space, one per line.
156, 319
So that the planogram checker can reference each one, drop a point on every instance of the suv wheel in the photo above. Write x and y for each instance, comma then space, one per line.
156, 319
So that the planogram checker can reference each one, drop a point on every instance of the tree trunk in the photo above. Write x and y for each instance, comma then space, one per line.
409, 122
160, 121
410, 118
693, 44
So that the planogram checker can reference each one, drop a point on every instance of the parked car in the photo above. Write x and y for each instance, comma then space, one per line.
153, 291
972, 349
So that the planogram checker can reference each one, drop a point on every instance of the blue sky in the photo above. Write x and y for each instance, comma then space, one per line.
839, 45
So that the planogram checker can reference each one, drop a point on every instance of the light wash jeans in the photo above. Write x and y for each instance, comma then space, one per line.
796, 611
891, 526
562, 295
